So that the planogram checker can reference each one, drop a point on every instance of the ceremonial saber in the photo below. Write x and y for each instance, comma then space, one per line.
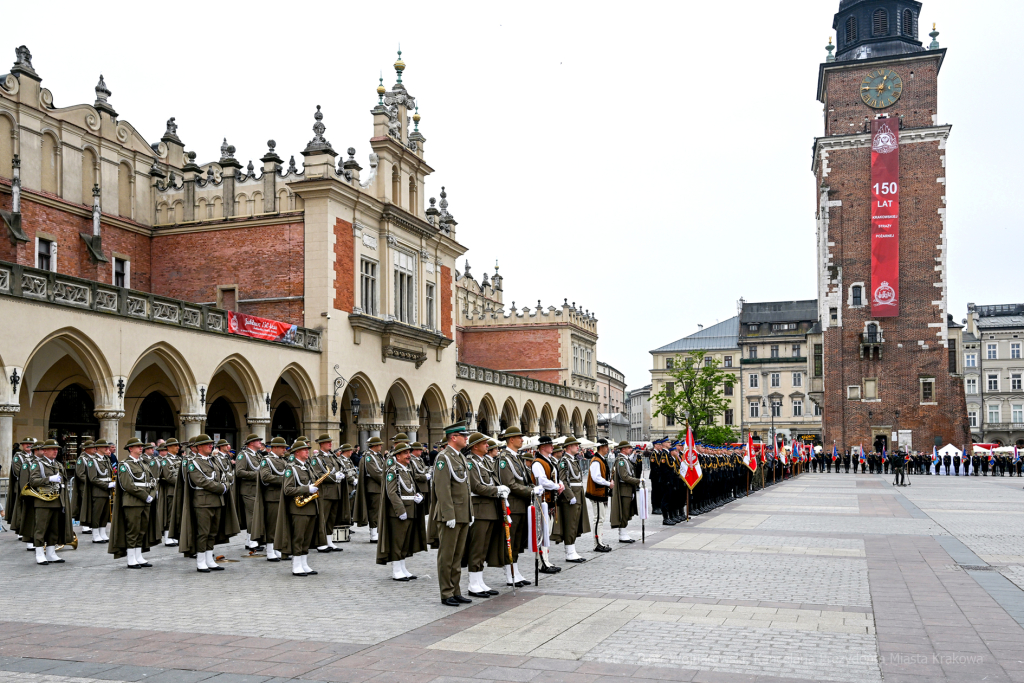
534, 524
507, 524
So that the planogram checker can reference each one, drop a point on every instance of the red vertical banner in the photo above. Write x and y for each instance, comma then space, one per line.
885, 218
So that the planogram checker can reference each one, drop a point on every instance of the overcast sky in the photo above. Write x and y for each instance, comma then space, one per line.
649, 161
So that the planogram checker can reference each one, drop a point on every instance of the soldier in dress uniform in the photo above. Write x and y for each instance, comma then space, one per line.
451, 513
268, 497
208, 518
371, 476
402, 530
136, 491
545, 473
80, 485
421, 474
19, 463
247, 471
485, 542
624, 485
51, 518
100, 478
348, 485
599, 490
321, 462
515, 475
299, 527
170, 466
572, 520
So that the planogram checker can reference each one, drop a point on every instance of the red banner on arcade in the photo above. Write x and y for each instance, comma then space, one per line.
260, 328
885, 218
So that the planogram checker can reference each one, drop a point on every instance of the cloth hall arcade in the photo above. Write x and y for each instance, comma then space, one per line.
121, 330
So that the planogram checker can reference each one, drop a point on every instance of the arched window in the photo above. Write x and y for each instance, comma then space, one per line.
851, 30
220, 421
124, 190
88, 175
880, 23
908, 23
283, 423
218, 207
72, 418
50, 163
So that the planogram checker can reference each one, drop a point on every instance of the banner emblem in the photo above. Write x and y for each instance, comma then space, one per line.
884, 141
885, 295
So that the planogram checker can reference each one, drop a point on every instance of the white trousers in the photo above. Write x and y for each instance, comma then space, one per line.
598, 511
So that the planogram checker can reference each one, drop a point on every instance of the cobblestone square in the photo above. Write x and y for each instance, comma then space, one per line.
756, 590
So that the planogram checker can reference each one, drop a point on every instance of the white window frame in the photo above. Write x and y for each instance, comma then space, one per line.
798, 407
1015, 382
798, 379
971, 385
923, 381
755, 410
374, 293
753, 383
404, 279
53, 254
989, 380
972, 417
776, 406
1015, 350
127, 271
1017, 413
992, 351
993, 408
430, 296
970, 360
817, 410
775, 380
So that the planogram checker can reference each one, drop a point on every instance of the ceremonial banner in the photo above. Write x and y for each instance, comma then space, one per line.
689, 468
750, 458
885, 218
260, 328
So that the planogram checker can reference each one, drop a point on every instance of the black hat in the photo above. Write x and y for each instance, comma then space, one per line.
544, 440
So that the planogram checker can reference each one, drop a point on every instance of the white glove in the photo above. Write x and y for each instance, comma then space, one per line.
111, 485
537, 490
313, 489
339, 477
471, 520
572, 502
225, 488
149, 499
55, 478
418, 498
503, 491
450, 524
403, 516
430, 475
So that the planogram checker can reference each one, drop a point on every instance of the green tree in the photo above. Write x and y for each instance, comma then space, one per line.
697, 396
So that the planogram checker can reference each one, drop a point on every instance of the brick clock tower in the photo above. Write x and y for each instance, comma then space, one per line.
890, 358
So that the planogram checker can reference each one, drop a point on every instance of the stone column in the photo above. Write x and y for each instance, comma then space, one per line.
191, 424
110, 422
261, 427
367, 432
410, 430
7, 412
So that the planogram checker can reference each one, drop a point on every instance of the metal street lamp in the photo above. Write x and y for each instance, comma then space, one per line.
355, 405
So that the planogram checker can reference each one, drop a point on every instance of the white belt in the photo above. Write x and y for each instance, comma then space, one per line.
576, 485
413, 498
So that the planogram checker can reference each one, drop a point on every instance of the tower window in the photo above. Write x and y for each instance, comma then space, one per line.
851, 30
880, 23
857, 296
908, 23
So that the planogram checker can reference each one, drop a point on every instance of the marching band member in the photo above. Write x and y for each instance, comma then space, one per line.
299, 527
402, 532
52, 518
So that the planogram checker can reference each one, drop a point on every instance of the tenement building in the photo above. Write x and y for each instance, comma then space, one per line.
993, 370
880, 176
333, 306
776, 367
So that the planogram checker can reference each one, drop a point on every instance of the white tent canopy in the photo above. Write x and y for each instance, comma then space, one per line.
950, 450
1007, 450
978, 450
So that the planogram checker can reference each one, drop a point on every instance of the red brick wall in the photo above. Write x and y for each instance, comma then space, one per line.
73, 256
344, 266
904, 359
264, 261
515, 349
447, 324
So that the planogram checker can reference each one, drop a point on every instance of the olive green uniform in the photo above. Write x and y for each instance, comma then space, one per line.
572, 520
623, 493
247, 470
485, 541
268, 499
130, 526
450, 500
400, 538
52, 521
299, 528
209, 490
371, 475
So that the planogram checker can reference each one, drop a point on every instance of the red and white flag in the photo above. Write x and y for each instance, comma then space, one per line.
751, 457
689, 468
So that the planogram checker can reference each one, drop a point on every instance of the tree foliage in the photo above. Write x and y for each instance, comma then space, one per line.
697, 396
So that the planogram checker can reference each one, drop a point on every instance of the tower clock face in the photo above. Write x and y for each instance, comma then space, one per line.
881, 88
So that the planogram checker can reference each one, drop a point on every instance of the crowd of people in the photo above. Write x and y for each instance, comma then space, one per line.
979, 464
470, 497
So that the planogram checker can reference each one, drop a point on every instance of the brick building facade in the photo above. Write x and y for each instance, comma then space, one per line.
885, 376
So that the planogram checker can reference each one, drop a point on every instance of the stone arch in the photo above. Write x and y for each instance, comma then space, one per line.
590, 424
241, 204
576, 423
399, 410
163, 213
257, 203
299, 380
509, 415
177, 212
85, 353
463, 404
547, 421
239, 369
202, 211
175, 367
369, 404
218, 207
487, 416
282, 200
432, 414
528, 419
562, 421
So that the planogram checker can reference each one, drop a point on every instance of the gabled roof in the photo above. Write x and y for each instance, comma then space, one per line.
722, 335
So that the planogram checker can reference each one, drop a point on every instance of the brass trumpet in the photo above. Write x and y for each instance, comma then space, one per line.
303, 500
